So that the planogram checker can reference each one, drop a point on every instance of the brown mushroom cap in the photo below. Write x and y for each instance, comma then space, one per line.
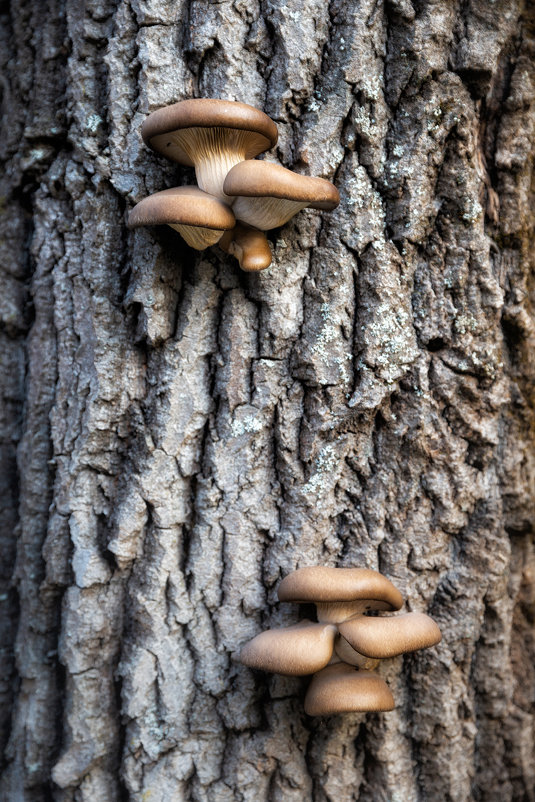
198, 217
387, 637
339, 688
248, 245
208, 113
261, 179
295, 651
188, 206
326, 584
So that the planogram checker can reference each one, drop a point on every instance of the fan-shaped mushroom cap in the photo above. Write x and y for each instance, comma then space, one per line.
295, 651
199, 217
339, 688
249, 246
340, 593
268, 195
387, 637
211, 135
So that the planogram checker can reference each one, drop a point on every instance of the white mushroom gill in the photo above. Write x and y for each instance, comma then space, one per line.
214, 151
266, 213
198, 237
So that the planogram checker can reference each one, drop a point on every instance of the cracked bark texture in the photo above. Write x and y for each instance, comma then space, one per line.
177, 435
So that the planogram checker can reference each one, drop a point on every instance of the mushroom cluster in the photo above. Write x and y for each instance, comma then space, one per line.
237, 197
343, 647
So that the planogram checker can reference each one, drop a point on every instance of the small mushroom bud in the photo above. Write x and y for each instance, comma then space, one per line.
248, 245
338, 688
198, 217
210, 135
297, 650
268, 195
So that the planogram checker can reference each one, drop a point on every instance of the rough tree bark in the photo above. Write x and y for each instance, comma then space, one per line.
176, 435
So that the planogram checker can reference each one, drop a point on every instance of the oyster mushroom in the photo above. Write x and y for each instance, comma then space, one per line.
297, 650
340, 593
344, 638
210, 135
268, 195
248, 245
339, 688
388, 637
198, 217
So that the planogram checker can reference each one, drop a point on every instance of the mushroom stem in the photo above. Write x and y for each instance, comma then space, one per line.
214, 152
211, 173
248, 245
337, 612
266, 213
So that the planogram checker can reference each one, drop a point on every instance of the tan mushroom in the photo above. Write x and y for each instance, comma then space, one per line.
387, 637
210, 135
198, 217
268, 195
340, 593
297, 650
248, 245
345, 637
339, 688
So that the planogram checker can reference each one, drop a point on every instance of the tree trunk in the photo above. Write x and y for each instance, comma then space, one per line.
177, 435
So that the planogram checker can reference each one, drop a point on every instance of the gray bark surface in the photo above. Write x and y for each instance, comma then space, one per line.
177, 435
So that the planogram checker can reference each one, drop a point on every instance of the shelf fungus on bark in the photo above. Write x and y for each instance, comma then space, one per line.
346, 645
267, 195
220, 138
200, 218
211, 135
